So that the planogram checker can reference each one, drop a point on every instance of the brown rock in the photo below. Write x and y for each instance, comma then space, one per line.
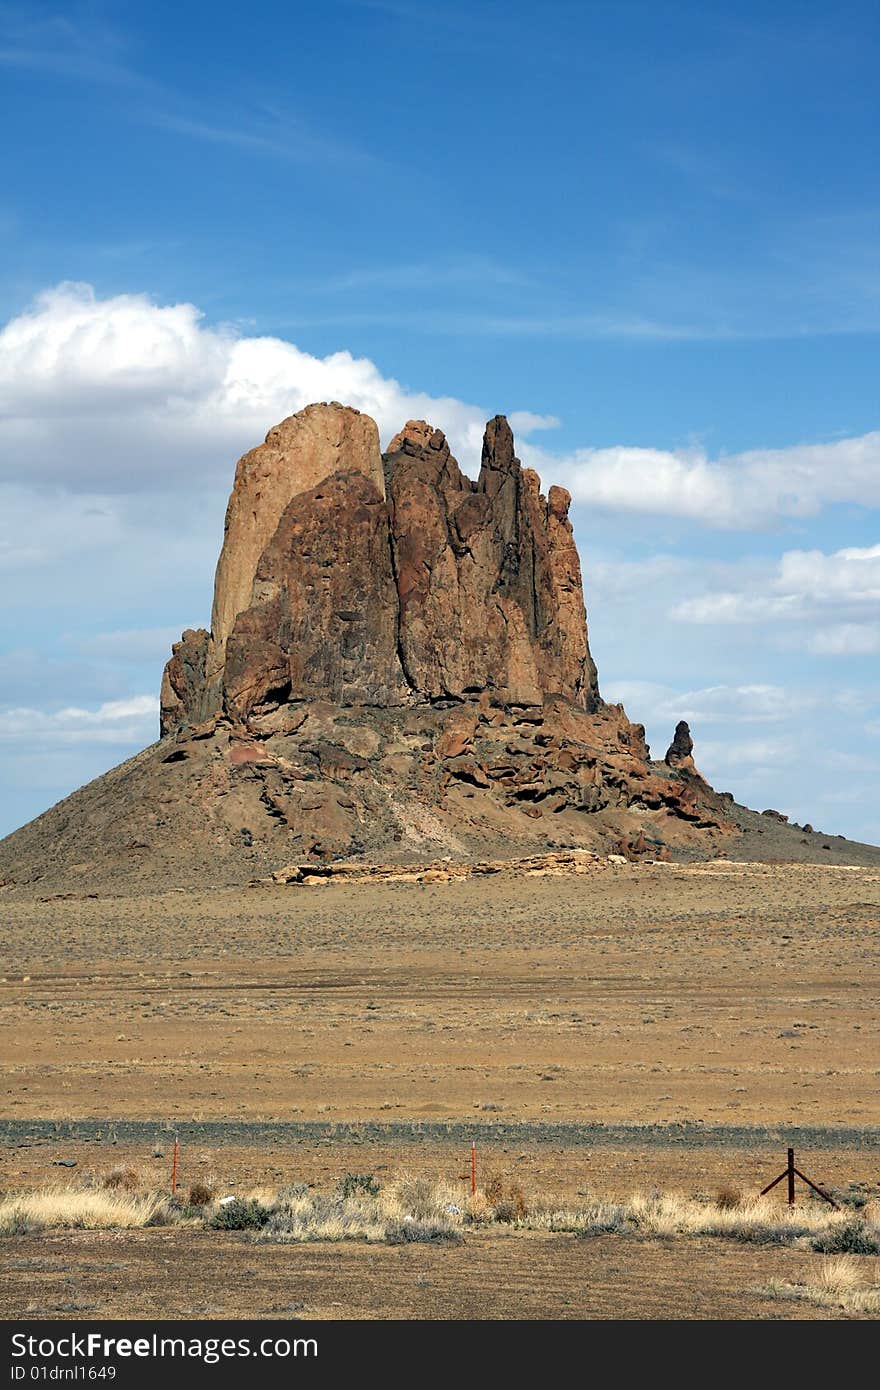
453, 591
679, 754
487, 574
297, 454
467, 770
241, 753
458, 732
322, 624
183, 682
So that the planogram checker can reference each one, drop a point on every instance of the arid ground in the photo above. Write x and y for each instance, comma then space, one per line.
635, 1027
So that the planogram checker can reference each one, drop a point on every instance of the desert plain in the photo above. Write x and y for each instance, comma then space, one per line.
628, 1028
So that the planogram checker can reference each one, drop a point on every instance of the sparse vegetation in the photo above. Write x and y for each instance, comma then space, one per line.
840, 1285
354, 1184
417, 1208
757, 1221
122, 1179
77, 1208
239, 1214
728, 1198
850, 1237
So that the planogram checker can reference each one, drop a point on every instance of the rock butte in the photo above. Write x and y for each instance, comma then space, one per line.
397, 672
389, 582
355, 582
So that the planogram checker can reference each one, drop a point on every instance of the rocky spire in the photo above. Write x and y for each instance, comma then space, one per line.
361, 580
679, 754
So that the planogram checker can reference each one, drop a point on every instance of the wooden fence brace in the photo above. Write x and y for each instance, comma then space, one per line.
791, 1172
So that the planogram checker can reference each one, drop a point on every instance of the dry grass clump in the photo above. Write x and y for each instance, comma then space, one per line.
595, 1219
421, 1198
200, 1194
728, 1198
124, 1179
308, 1216
74, 1208
407, 1209
839, 1285
840, 1275
507, 1201
757, 1220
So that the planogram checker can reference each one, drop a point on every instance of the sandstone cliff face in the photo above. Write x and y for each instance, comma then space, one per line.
297, 455
327, 588
322, 622
487, 574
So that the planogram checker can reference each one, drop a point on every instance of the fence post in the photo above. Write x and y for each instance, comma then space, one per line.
174, 1166
790, 1172
473, 1167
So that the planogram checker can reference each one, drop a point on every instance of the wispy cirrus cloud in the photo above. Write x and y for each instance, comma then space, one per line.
586, 327
443, 273
83, 49
64, 45
272, 133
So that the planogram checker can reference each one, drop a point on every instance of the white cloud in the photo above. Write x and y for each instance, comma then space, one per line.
737, 608
851, 575
846, 639
524, 422
741, 491
134, 720
753, 754
809, 587
714, 704
121, 394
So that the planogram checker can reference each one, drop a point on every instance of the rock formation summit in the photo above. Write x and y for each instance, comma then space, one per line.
397, 671
385, 582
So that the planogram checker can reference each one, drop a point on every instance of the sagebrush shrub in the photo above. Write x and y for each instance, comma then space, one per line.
122, 1179
852, 1238
240, 1214
359, 1185
508, 1204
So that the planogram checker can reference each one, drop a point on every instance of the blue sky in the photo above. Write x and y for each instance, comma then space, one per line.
649, 232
